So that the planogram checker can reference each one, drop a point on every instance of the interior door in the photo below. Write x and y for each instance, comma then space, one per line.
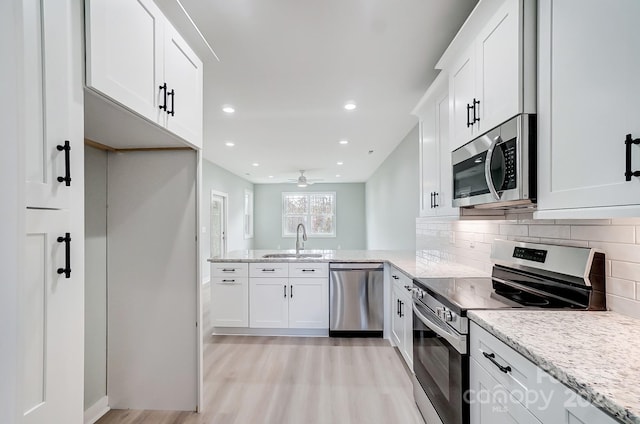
183, 73
218, 225
50, 377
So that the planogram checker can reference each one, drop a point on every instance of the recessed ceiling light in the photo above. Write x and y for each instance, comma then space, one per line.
228, 109
343, 142
350, 106
255, 164
337, 175
270, 176
229, 143
340, 163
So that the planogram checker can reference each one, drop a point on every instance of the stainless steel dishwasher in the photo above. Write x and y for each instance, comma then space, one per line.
355, 299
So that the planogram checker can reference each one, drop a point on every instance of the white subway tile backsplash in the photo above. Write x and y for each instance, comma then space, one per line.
626, 270
620, 287
618, 251
618, 238
514, 230
614, 233
623, 305
550, 231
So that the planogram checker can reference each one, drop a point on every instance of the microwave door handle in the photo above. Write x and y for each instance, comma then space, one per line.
487, 167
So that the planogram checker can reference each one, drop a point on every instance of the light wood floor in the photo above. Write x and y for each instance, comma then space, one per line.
278, 380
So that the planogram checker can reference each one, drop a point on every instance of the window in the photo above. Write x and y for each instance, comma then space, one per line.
317, 211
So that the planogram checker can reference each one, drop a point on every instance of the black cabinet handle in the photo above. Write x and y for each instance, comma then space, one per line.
401, 311
291, 291
163, 88
469, 107
627, 144
476, 118
492, 358
435, 199
67, 163
285, 290
431, 194
67, 252
172, 93
398, 307
395, 277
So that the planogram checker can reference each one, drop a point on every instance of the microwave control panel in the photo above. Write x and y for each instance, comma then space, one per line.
510, 174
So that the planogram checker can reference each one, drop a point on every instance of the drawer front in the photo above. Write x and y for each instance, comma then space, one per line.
304, 270
492, 354
230, 302
400, 280
268, 269
225, 269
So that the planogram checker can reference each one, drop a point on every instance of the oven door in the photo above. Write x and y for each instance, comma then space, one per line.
441, 365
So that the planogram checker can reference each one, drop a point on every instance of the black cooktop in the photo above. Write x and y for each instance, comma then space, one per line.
461, 294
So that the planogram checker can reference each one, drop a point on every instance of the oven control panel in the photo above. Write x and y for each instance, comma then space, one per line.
535, 255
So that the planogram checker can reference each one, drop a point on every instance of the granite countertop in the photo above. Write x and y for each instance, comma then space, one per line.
597, 354
415, 264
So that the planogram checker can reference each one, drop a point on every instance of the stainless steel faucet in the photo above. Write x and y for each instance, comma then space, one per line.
300, 244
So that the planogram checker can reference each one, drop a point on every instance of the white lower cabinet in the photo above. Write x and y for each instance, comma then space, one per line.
229, 295
505, 387
280, 301
402, 315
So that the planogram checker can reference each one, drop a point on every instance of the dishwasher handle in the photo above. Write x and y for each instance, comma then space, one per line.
365, 266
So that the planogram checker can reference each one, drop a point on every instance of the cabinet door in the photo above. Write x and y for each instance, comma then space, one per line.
462, 92
183, 73
407, 325
445, 192
491, 403
308, 303
397, 323
429, 167
498, 69
125, 54
51, 335
47, 96
268, 302
588, 102
230, 302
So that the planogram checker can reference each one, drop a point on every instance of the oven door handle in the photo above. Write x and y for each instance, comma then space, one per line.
487, 167
459, 342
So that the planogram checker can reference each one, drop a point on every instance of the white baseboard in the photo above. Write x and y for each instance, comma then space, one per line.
96, 411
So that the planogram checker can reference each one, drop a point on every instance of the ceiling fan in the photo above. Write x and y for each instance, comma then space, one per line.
303, 181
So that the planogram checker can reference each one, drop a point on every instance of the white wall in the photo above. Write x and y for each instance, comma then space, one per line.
152, 280
469, 242
392, 195
350, 217
95, 311
219, 179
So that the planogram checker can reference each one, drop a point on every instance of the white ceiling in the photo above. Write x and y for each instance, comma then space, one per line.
289, 66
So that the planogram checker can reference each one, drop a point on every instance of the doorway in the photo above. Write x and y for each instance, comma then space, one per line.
218, 231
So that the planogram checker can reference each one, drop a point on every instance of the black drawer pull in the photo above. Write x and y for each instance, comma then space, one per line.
228, 281
67, 251
395, 277
308, 270
492, 358
627, 144
67, 164
163, 88
228, 270
268, 270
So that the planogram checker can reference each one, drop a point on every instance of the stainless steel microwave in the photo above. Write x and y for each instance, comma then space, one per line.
497, 169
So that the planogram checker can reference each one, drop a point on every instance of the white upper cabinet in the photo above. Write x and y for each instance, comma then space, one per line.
588, 103
491, 66
136, 58
435, 152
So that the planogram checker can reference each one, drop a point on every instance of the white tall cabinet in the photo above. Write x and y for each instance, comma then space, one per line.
588, 97
47, 110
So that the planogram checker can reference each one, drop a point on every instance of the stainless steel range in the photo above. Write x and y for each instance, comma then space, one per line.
524, 275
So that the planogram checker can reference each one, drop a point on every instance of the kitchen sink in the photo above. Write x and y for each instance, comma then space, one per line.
292, 255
